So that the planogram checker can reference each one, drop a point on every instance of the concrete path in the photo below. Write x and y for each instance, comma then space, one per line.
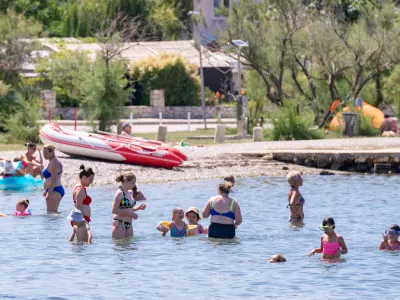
378, 144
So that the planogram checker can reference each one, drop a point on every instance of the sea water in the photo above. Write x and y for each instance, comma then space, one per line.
38, 262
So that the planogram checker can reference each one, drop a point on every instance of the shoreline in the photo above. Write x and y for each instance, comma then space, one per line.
248, 159
198, 168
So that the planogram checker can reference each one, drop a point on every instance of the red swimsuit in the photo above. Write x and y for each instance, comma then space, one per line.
86, 201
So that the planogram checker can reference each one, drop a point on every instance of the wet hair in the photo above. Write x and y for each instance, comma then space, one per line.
229, 178
49, 148
280, 258
292, 177
16, 159
85, 172
395, 227
175, 211
225, 187
24, 202
328, 221
124, 177
30, 145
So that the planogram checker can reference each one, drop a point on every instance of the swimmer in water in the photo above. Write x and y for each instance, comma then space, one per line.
80, 229
276, 258
332, 244
296, 200
21, 208
193, 217
391, 238
177, 227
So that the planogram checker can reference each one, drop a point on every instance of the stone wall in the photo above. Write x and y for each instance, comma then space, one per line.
351, 161
168, 112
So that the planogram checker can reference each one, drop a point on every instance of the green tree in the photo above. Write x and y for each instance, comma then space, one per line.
66, 70
105, 92
15, 44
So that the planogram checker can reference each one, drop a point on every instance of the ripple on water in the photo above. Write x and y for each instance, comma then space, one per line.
36, 254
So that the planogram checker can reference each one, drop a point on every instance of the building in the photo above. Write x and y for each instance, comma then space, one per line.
217, 66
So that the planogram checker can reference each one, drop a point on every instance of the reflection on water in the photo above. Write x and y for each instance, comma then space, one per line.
39, 263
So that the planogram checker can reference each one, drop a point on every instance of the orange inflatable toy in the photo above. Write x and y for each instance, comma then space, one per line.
367, 110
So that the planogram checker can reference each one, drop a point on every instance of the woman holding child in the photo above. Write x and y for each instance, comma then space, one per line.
225, 213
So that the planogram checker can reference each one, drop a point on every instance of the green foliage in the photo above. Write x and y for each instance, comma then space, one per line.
21, 125
15, 48
172, 73
288, 125
255, 91
365, 126
104, 92
67, 70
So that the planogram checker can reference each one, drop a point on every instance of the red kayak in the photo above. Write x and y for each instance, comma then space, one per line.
107, 146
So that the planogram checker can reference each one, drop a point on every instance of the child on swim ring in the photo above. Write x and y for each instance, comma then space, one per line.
21, 208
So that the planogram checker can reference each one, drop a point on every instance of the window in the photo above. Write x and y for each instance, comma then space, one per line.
221, 8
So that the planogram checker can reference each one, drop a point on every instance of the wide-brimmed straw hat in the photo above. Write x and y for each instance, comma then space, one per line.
76, 216
195, 210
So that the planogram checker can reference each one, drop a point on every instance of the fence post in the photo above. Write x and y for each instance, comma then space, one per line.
257, 134
162, 133
188, 120
219, 134
75, 117
160, 117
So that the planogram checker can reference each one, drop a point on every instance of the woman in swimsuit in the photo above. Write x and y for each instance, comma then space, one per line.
81, 199
332, 244
30, 164
53, 189
225, 213
124, 208
391, 239
296, 200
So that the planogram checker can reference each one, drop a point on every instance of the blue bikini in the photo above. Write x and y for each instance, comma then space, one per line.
59, 189
228, 214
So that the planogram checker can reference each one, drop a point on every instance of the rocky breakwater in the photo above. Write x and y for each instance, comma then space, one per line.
374, 161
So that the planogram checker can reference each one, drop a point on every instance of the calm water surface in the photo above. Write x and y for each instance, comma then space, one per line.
37, 262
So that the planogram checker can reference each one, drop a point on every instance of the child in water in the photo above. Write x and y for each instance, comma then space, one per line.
193, 217
21, 208
391, 238
296, 200
177, 227
276, 258
80, 227
332, 244
230, 179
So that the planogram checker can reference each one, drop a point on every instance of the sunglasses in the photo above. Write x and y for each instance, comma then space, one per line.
328, 227
391, 232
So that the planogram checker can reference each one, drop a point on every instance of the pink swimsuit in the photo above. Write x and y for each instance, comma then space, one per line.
330, 248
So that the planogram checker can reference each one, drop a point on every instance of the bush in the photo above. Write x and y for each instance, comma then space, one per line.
22, 125
288, 125
171, 72
366, 128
